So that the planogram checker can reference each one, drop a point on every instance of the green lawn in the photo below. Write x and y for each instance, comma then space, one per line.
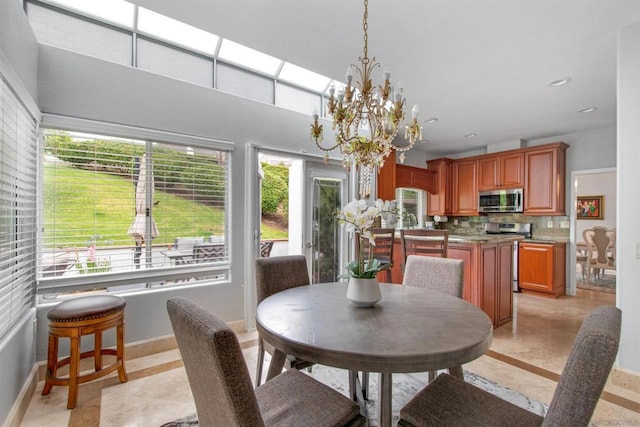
89, 201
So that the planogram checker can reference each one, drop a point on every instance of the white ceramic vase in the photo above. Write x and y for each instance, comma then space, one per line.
363, 292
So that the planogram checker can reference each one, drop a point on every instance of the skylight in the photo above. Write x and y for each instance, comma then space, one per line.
117, 11
173, 30
249, 58
304, 78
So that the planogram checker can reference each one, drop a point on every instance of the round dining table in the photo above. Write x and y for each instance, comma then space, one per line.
409, 330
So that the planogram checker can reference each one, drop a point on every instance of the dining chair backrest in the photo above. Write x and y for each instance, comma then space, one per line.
382, 250
265, 248
272, 276
216, 370
444, 275
586, 371
601, 242
277, 274
424, 242
187, 243
450, 401
207, 252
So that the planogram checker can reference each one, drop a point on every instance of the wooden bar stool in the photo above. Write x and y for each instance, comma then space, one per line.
84, 316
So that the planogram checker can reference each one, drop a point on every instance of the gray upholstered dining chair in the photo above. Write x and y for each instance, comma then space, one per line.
221, 385
449, 401
444, 275
274, 275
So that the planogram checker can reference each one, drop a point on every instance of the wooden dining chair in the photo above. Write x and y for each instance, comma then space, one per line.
423, 242
382, 250
221, 385
449, 401
601, 249
273, 275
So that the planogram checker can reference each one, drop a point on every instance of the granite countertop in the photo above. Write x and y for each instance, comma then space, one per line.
484, 238
479, 238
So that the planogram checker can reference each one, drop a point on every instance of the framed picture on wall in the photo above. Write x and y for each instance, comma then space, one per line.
590, 207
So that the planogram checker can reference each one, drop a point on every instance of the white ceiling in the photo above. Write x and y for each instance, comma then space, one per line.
479, 66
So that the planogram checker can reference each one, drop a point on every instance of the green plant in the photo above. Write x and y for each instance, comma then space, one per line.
275, 189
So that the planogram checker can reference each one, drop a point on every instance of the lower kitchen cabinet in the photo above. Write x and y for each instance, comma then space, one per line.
487, 275
541, 268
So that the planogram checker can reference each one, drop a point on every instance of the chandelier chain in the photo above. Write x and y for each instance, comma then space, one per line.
365, 27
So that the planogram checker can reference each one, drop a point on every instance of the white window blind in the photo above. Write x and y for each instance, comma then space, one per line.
18, 177
131, 212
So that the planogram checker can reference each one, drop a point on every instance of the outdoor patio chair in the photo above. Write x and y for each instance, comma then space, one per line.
207, 252
265, 248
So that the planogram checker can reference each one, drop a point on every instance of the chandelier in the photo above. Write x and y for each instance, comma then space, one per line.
380, 110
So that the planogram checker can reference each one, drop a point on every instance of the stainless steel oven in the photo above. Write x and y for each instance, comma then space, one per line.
519, 228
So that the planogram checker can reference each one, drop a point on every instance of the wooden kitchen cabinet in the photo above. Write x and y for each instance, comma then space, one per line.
439, 202
465, 187
496, 172
541, 268
392, 176
487, 275
545, 180
412, 177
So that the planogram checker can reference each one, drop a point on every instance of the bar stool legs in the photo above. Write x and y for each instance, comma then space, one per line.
84, 316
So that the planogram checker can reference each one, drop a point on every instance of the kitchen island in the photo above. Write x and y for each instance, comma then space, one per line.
488, 271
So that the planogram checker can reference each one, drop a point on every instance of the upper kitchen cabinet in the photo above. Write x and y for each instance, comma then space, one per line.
496, 172
392, 176
465, 187
439, 201
545, 179
412, 177
386, 183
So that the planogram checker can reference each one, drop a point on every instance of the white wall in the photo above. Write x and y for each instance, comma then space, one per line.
18, 65
628, 239
598, 184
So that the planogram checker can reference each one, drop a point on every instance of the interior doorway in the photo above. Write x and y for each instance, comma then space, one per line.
587, 183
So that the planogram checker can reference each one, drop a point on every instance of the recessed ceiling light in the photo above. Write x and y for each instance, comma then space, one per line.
560, 82
588, 110
423, 141
470, 135
431, 120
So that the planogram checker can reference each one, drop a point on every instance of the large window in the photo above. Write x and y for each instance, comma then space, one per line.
131, 212
17, 207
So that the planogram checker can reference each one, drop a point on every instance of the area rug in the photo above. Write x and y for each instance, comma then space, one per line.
605, 283
405, 386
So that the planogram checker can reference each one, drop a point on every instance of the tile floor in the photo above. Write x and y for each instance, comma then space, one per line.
526, 355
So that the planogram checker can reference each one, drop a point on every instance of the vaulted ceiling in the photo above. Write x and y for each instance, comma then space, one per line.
480, 67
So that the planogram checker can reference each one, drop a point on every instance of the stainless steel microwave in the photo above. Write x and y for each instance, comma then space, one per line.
500, 200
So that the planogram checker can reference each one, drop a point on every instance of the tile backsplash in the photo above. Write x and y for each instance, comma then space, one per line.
474, 225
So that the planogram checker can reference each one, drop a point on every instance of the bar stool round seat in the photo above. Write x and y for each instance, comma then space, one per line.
90, 315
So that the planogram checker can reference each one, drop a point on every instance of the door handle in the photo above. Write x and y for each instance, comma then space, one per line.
309, 245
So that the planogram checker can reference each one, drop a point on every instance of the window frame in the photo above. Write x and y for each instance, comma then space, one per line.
150, 279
